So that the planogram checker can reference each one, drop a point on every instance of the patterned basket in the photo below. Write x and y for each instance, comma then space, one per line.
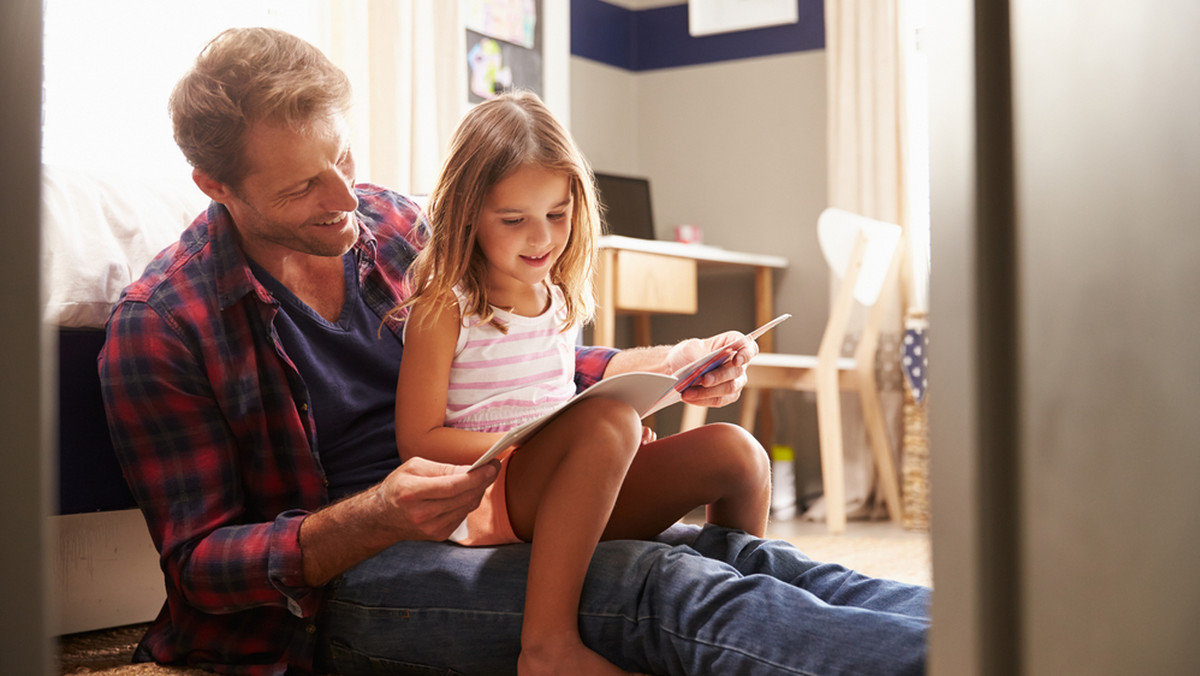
914, 463
914, 466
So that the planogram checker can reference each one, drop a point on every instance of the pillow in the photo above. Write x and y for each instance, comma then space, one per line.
99, 230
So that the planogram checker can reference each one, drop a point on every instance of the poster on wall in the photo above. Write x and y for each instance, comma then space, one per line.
504, 47
706, 17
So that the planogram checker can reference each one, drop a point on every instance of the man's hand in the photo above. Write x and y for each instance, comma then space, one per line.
722, 385
429, 499
419, 500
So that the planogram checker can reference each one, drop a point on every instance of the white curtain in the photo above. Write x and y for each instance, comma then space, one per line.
867, 148
405, 59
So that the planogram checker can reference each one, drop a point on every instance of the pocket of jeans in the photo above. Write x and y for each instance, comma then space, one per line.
350, 662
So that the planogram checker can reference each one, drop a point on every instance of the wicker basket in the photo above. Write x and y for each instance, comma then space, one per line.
914, 464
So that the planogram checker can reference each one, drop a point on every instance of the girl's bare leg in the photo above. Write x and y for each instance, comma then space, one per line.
718, 465
561, 489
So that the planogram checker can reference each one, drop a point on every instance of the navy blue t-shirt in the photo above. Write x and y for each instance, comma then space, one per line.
350, 369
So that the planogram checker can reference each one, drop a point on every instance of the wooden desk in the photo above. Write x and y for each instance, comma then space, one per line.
645, 277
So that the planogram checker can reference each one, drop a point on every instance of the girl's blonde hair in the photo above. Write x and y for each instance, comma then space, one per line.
494, 139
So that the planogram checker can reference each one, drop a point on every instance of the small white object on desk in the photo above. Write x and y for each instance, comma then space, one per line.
688, 234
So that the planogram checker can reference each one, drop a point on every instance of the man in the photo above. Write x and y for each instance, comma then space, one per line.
249, 383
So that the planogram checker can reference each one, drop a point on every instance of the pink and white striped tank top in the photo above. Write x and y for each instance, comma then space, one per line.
501, 380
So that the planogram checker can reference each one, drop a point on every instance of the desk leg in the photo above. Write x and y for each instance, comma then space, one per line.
641, 330
764, 311
764, 306
604, 333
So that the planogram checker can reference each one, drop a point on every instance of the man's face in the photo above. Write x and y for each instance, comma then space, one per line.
298, 193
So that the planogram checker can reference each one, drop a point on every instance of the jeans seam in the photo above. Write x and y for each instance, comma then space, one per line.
423, 609
748, 655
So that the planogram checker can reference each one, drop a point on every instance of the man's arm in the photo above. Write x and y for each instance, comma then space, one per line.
420, 500
179, 456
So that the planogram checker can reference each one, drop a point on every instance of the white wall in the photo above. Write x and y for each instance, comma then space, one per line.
604, 116
737, 148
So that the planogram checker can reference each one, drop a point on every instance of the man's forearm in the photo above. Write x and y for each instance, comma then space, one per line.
653, 359
420, 500
336, 538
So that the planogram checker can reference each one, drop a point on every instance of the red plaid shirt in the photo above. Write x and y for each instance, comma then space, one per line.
213, 428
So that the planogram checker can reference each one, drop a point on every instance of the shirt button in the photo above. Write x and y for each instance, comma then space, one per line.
304, 407
312, 629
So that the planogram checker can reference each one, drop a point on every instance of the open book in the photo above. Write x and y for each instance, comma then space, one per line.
645, 392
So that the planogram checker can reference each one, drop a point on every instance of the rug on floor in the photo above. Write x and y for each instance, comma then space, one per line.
110, 652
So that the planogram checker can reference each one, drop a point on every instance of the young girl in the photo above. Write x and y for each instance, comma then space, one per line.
499, 293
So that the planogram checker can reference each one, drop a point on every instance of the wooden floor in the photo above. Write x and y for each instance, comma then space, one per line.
876, 548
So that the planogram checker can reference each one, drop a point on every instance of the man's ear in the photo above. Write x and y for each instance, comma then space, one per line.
216, 190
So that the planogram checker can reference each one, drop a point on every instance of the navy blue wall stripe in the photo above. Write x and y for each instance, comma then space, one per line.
602, 32
657, 38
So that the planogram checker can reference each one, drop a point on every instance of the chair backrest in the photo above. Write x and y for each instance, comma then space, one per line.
837, 231
865, 254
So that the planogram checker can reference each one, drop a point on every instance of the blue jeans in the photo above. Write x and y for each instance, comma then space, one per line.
711, 601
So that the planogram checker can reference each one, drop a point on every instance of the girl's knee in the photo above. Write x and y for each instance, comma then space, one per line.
609, 421
747, 461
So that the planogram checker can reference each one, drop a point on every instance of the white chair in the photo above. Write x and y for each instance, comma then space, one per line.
865, 254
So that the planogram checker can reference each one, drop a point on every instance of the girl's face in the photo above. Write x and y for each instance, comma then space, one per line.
522, 229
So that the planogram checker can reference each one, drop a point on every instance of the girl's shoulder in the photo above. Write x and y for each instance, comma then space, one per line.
437, 312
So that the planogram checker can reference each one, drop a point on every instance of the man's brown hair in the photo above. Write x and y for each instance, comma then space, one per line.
244, 76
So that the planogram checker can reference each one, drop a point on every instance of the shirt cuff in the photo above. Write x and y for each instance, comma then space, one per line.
590, 364
285, 567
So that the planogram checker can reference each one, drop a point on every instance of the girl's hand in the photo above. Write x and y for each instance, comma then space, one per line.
648, 435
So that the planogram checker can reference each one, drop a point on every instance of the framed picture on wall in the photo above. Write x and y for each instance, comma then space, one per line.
707, 17
504, 47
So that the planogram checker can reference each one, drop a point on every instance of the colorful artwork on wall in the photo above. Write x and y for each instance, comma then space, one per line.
504, 50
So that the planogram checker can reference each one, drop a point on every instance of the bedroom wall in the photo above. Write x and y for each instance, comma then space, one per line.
732, 142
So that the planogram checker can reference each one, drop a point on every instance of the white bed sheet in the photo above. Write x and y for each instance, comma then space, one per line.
100, 231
